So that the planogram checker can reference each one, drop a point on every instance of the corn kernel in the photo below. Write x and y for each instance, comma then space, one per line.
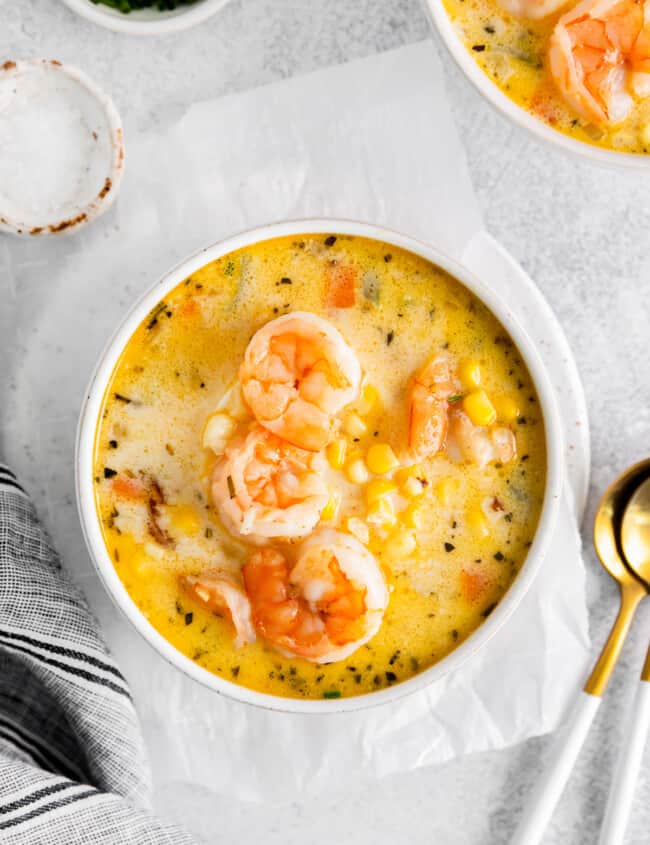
469, 372
185, 519
412, 516
413, 471
507, 408
354, 425
446, 489
356, 471
329, 512
378, 488
477, 522
358, 528
336, 453
412, 487
478, 408
381, 458
381, 512
217, 431
369, 397
400, 544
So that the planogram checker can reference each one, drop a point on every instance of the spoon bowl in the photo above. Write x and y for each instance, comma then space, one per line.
635, 532
609, 519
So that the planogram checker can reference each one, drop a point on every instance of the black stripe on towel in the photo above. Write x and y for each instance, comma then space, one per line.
72, 670
8, 481
45, 808
64, 652
44, 756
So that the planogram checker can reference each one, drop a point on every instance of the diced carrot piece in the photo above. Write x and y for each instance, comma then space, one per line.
473, 584
542, 105
128, 488
189, 308
341, 286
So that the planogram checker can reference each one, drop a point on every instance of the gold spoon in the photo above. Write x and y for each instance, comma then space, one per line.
635, 542
607, 528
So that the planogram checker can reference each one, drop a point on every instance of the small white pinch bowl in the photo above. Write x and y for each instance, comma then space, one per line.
61, 149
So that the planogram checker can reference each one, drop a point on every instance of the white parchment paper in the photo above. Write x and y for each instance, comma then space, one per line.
371, 140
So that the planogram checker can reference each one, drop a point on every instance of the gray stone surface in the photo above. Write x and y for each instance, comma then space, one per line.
580, 231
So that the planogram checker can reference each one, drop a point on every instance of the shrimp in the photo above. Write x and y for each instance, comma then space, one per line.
326, 606
477, 444
298, 373
218, 592
428, 408
265, 487
533, 9
599, 55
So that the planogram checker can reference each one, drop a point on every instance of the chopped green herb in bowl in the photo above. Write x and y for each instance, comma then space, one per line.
146, 17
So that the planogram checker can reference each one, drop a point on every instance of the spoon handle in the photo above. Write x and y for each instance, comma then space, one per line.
571, 738
621, 794
549, 788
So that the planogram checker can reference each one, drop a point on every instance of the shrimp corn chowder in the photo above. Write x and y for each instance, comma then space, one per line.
319, 465
582, 68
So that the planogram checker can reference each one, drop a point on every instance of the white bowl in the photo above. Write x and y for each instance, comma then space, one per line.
61, 141
91, 411
518, 115
146, 21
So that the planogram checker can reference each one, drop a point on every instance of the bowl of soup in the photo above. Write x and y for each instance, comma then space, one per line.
318, 465
577, 75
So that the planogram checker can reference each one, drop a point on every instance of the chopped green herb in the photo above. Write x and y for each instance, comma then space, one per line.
370, 286
478, 48
189, 618
390, 337
330, 241
113, 444
229, 269
449, 547
157, 311
499, 556
332, 693
285, 280
455, 398
391, 677
109, 473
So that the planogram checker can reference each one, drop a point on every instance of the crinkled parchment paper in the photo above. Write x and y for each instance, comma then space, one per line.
371, 140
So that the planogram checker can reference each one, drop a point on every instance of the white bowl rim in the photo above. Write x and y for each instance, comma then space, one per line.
517, 114
86, 439
182, 18
103, 201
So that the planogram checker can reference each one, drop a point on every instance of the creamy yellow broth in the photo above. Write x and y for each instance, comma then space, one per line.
475, 526
512, 52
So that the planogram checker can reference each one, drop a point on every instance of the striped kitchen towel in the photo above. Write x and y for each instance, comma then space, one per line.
72, 763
